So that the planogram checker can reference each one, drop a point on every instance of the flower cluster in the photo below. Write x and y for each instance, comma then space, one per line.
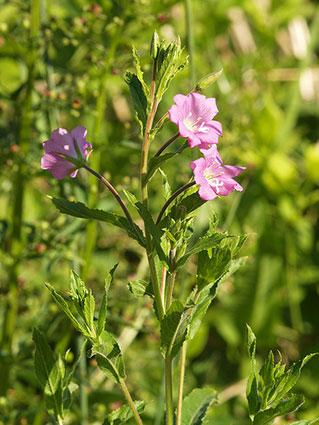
193, 114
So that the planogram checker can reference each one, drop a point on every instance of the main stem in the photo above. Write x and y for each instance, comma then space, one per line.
144, 192
169, 391
181, 384
130, 401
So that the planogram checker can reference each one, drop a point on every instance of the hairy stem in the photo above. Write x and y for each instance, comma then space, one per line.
130, 401
181, 383
169, 391
171, 199
166, 144
144, 192
112, 190
163, 284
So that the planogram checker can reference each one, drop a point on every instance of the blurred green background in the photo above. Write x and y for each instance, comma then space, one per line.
62, 63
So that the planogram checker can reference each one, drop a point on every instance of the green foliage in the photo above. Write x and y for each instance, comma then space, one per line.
123, 414
196, 405
51, 373
169, 61
78, 209
269, 389
174, 328
139, 98
80, 309
109, 356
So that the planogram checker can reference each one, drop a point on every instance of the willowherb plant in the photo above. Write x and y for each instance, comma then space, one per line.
169, 243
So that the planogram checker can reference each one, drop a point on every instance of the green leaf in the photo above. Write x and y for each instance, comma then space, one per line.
290, 378
196, 404
109, 356
174, 328
103, 309
212, 266
66, 307
139, 72
48, 371
77, 287
284, 407
140, 287
154, 230
139, 98
199, 245
169, 63
123, 414
251, 343
198, 313
89, 309
166, 186
13, 74
252, 394
78, 209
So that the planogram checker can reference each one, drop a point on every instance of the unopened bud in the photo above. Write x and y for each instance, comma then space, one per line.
154, 45
208, 80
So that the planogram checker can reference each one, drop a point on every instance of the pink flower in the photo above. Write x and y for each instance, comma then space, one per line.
193, 115
214, 178
63, 145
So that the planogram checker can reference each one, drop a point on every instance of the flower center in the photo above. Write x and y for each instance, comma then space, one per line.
195, 124
213, 180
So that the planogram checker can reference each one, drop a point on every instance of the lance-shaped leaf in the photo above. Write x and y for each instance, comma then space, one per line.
139, 98
254, 401
199, 245
103, 308
49, 373
196, 404
288, 405
174, 328
169, 62
67, 306
78, 209
212, 265
123, 414
109, 356
154, 230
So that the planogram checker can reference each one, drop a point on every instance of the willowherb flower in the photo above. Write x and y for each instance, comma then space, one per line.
213, 177
193, 114
65, 151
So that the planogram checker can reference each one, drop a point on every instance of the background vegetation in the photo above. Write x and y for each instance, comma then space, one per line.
62, 63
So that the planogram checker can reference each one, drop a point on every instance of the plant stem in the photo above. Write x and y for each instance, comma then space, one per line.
163, 284
130, 401
169, 391
83, 375
166, 144
144, 193
170, 290
59, 420
112, 190
181, 384
171, 199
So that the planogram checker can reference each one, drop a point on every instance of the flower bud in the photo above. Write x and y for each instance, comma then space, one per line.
208, 80
154, 45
